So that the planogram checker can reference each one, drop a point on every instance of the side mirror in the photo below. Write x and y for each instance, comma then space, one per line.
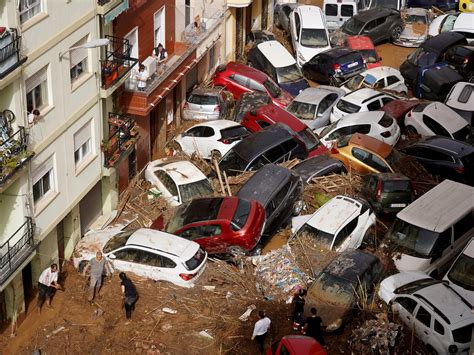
112, 256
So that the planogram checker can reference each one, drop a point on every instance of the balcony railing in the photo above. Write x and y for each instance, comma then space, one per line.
14, 153
117, 61
16, 249
10, 45
122, 137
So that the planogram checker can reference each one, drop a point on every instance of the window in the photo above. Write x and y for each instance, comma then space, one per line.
262, 124
438, 327
195, 132
386, 100
284, 350
43, 180
207, 132
78, 61
345, 232
82, 143
360, 154
463, 226
159, 26
392, 79
239, 79
29, 9
280, 196
212, 57
435, 127
297, 24
374, 105
130, 255
274, 154
347, 10
78, 69
377, 163
253, 85
423, 316
331, 10
37, 90
443, 243
407, 303
167, 182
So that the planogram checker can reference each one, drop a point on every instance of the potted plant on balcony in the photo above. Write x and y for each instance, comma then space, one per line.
109, 73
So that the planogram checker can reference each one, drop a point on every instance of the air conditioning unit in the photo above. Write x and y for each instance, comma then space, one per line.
150, 65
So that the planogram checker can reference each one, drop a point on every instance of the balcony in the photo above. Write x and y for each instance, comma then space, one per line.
14, 154
16, 249
104, 6
10, 57
116, 66
122, 138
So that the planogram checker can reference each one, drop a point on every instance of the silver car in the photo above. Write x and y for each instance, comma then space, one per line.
207, 104
313, 105
416, 27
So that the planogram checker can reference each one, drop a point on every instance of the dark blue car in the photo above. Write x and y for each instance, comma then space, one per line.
435, 82
334, 66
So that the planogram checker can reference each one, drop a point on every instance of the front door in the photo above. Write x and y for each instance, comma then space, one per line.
28, 291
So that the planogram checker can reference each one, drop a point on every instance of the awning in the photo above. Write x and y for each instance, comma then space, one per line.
109, 16
239, 3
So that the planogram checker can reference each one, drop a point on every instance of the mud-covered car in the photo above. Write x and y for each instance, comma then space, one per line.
249, 101
416, 28
318, 166
336, 290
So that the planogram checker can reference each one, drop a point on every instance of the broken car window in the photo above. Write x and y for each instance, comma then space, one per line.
117, 241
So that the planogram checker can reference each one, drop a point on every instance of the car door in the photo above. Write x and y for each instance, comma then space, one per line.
207, 236
295, 24
422, 323
359, 160
348, 237
433, 127
369, 30
443, 251
374, 105
394, 83
324, 108
405, 307
125, 259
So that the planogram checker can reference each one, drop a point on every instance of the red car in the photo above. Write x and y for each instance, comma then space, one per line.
399, 108
296, 345
239, 78
221, 225
366, 47
266, 115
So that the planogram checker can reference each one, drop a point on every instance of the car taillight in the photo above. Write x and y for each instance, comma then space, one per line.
186, 106
466, 60
186, 277
409, 114
225, 141
460, 170
217, 109
386, 134
378, 193
336, 67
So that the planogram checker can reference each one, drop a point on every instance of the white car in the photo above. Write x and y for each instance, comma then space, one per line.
211, 140
435, 118
376, 124
440, 317
178, 180
461, 273
462, 22
381, 78
308, 32
341, 223
145, 252
361, 100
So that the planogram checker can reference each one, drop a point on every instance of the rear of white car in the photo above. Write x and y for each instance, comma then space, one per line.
338, 11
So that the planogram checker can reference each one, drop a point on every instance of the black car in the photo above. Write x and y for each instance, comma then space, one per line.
258, 36
272, 144
335, 291
334, 66
462, 59
429, 53
380, 24
446, 157
318, 166
443, 5
278, 190
249, 101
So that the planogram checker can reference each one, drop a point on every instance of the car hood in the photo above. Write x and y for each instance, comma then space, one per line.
414, 31
405, 262
391, 283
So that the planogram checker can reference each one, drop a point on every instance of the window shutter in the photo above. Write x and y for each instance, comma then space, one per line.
78, 55
82, 135
36, 79
42, 169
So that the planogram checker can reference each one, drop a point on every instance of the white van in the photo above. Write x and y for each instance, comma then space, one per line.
309, 35
339, 11
432, 230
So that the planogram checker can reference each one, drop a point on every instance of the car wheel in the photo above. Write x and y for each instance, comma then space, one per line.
411, 131
216, 155
236, 251
370, 239
299, 205
396, 31
173, 148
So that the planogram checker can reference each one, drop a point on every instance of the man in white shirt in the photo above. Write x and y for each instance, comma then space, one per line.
260, 330
47, 281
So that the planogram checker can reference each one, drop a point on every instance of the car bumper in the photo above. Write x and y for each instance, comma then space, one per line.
408, 43
204, 116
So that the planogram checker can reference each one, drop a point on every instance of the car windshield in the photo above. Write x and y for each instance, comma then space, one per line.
302, 110
309, 138
370, 55
396, 186
389, 4
355, 82
448, 23
204, 100
117, 241
416, 19
347, 107
199, 188
196, 260
272, 88
321, 237
328, 129
422, 58
333, 290
241, 215
232, 163
462, 272
288, 74
314, 37
463, 335
353, 26
411, 239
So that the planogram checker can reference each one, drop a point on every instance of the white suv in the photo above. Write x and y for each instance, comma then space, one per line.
360, 100
461, 273
341, 223
440, 317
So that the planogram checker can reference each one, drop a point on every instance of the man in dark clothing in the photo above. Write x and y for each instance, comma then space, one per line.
312, 327
129, 294
298, 314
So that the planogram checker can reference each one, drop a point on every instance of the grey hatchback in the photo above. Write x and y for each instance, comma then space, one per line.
207, 104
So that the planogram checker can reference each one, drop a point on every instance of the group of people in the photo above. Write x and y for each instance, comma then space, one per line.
161, 55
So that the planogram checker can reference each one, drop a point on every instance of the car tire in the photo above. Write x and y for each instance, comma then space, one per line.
395, 34
411, 131
173, 148
236, 251
298, 207
216, 155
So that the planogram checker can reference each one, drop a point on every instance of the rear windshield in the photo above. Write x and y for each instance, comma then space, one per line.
309, 138
232, 163
196, 260
465, 94
349, 58
272, 88
302, 110
241, 215
411, 239
463, 335
462, 272
314, 37
347, 10
195, 189
333, 290
370, 55
347, 107
330, 10
353, 26
204, 100
386, 121
319, 236
397, 186
234, 132
416, 19
117, 241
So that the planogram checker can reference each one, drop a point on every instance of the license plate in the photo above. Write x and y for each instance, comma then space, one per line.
398, 205
352, 65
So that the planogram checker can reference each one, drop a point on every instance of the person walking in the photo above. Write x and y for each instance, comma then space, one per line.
312, 327
129, 294
260, 330
48, 281
97, 266
298, 310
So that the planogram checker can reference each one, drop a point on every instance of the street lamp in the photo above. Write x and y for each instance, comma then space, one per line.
100, 42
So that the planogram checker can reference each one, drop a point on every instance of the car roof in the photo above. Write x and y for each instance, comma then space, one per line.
315, 95
168, 243
360, 42
218, 124
455, 147
334, 214
381, 72
451, 120
351, 264
360, 117
307, 167
206, 91
371, 14
276, 54
372, 144
247, 71
277, 114
399, 107
337, 52
464, 22
443, 41
265, 183
311, 16
259, 142
361, 95
439, 207
467, 91
181, 171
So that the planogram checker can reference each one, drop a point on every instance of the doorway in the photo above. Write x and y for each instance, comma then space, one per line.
90, 207
28, 291
60, 233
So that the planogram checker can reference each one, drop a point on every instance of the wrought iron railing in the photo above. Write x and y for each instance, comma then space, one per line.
122, 136
16, 249
117, 62
10, 57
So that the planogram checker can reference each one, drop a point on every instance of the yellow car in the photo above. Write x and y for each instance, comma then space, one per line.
365, 155
466, 5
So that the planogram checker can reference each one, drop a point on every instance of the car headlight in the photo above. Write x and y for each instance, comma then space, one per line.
334, 325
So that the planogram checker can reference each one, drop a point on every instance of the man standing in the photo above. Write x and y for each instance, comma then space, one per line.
48, 281
312, 327
97, 265
260, 330
129, 294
